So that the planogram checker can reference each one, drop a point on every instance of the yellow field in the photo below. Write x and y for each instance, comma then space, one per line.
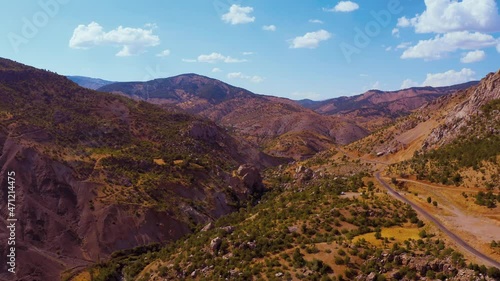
400, 234
84, 276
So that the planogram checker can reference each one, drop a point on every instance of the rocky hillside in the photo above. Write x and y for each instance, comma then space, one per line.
452, 140
97, 173
461, 115
279, 126
438, 122
375, 108
313, 224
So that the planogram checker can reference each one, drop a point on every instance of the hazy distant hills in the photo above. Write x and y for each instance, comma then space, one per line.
89, 83
278, 125
376, 108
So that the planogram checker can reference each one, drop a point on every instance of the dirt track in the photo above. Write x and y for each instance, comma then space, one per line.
450, 234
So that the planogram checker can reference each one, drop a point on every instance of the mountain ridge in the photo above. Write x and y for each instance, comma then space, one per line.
282, 127
88, 82
375, 109
98, 172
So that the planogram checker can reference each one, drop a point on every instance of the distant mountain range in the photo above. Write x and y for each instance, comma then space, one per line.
280, 126
89, 83
439, 122
375, 108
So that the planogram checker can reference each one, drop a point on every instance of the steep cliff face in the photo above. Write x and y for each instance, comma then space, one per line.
439, 122
96, 173
60, 227
473, 100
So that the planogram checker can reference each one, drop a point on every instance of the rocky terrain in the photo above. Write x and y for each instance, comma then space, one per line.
437, 123
97, 173
191, 178
473, 100
315, 223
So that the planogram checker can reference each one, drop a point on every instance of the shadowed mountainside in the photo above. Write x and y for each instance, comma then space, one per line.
96, 172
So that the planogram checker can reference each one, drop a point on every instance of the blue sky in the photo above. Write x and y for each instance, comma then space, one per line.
314, 49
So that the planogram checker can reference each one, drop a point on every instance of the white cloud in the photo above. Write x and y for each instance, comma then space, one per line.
408, 83
442, 16
269, 27
439, 46
395, 32
239, 75
404, 22
404, 45
448, 78
316, 21
376, 85
388, 48
310, 40
211, 58
216, 57
498, 47
133, 41
238, 15
248, 53
343, 6
151, 25
163, 53
189, 60
474, 56
216, 70
234, 75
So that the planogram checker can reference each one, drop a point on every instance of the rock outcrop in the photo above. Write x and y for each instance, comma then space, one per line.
457, 118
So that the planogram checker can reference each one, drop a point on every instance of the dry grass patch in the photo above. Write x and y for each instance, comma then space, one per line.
400, 234
83, 276
160, 162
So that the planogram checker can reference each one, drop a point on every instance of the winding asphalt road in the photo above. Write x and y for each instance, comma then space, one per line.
452, 235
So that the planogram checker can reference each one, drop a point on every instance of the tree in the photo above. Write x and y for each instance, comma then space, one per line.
429, 199
494, 273
298, 259
370, 185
